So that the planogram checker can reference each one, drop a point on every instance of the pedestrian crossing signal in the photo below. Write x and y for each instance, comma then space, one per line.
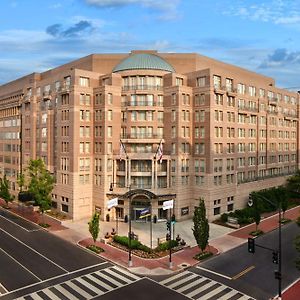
275, 257
251, 245
168, 225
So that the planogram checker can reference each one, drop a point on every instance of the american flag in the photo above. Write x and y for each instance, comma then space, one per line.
123, 154
160, 152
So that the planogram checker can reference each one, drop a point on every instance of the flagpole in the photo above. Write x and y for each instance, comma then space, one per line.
157, 148
151, 227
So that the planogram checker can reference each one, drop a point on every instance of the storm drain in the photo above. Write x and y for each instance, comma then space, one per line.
184, 265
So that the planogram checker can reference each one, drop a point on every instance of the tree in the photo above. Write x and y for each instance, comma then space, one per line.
297, 246
201, 226
282, 198
256, 210
41, 184
4, 190
21, 181
94, 226
293, 183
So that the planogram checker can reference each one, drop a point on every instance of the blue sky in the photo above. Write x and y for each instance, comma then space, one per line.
260, 35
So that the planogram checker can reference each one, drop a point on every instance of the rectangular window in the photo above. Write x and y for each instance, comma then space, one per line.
84, 81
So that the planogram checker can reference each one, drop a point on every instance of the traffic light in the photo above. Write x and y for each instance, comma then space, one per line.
173, 218
277, 275
275, 257
251, 245
168, 225
168, 237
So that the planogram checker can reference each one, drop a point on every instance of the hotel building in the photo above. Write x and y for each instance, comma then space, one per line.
225, 131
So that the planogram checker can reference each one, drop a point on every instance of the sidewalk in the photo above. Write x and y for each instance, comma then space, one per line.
160, 266
292, 292
266, 225
223, 239
33, 216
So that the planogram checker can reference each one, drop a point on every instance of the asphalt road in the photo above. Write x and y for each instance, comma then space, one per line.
253, 274
30, 256
145, 289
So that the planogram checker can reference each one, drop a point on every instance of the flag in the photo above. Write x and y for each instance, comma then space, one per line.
122, 151
145, 213
160, 152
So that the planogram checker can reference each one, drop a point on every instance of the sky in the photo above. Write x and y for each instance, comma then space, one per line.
259, 35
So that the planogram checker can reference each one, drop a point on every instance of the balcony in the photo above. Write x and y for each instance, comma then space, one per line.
47, 95
143, 87
139, 103
219, 89
65, 88
273, 100
141, 136
248, 109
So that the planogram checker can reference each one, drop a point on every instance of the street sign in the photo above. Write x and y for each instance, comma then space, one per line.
111, 203
168, 204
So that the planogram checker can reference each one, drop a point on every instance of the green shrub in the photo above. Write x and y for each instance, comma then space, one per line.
44, 225
144, 248
256, 232
135, 244
203, 255
166, 245
298, 221
224, 218
244, 216
95, 248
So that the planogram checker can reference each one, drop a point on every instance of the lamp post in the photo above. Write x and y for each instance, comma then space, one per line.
130, 233
117, 221
277, 273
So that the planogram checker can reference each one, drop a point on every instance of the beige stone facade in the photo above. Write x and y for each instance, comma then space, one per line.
225, 132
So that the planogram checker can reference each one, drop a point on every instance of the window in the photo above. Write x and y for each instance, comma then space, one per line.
109, 131
217, 82
179, 81
252, 91
229, 85
109, 98
84, 81
110, 115
219, 99
201, 81
241, 88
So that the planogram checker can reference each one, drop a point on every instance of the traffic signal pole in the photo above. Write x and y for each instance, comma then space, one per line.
170, 242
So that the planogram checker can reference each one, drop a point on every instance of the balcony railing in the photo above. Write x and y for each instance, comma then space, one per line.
141, 136
248, 108
142, 87
139, 103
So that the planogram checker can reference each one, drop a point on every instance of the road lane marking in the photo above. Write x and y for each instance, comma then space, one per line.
39, 279
243, 273
216, 273
35, 251
2, 287
56, 277
19, 224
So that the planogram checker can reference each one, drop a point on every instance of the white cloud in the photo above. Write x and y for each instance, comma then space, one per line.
274, 11
168, 9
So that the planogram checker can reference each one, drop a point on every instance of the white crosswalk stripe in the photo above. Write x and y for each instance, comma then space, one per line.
86, 286
196, 286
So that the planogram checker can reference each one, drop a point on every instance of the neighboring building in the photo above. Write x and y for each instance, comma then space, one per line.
225, 132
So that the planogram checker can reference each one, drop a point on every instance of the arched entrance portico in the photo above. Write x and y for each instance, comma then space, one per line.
139, 201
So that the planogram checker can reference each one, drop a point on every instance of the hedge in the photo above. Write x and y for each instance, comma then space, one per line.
135, 244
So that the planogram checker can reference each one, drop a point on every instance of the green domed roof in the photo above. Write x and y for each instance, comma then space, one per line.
143, 61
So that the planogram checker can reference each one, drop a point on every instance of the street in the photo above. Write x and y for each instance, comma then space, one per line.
253, 274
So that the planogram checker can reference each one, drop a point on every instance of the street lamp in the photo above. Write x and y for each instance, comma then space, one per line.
111, 188
277, 273
130, 234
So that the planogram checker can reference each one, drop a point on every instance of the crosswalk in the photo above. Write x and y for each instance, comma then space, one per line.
195, 286
86, 286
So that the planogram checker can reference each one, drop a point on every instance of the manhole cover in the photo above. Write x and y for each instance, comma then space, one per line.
184, 265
